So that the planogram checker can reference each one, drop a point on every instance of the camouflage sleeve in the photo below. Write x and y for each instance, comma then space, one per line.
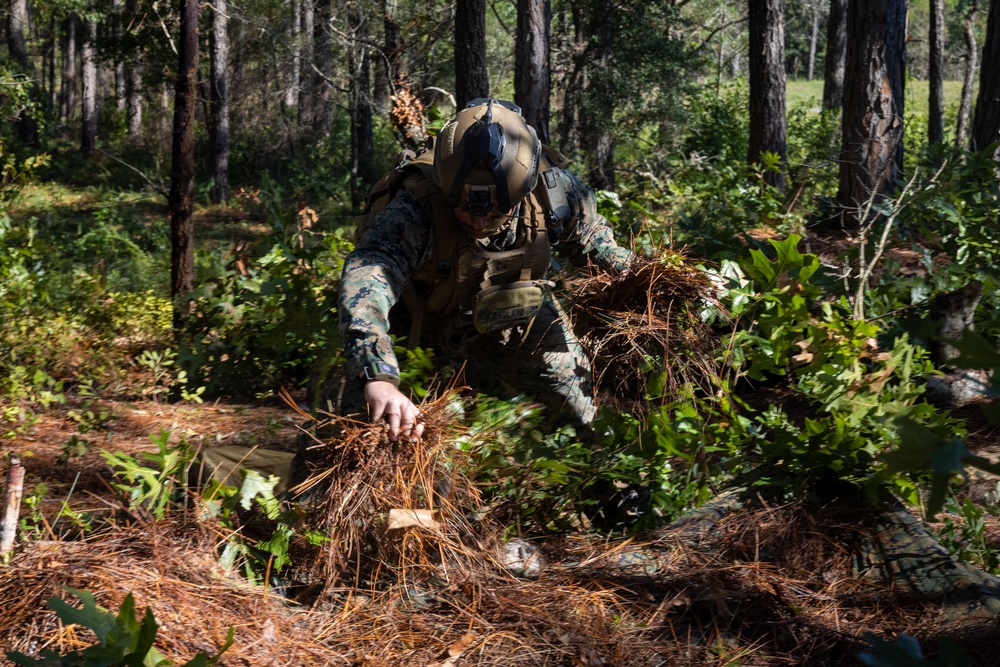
397, 241
588, 234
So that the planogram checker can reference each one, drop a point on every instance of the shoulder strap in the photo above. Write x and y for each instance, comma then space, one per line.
554, 157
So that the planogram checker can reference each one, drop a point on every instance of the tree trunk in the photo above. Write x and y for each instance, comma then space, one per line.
320, 106
181, 199
935, 111
532, 78
872, 129
813, 39
51, 70
968, 74
362, 136
597, 110
292, 88
88, 137
306, 61
472, 79
68, 89
219, 102
17, 25
836, 55
767, 85
133, 80
387, 70
986, 121
121, 85
574, 82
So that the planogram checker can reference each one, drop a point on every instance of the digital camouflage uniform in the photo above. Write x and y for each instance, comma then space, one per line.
544, 359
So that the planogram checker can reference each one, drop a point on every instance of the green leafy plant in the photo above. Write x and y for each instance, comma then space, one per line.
151, 488
273, 320
32, 524
262, 556
856, 388
965, 538
122, 641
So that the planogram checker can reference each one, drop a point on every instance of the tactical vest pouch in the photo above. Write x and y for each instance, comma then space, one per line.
503, 306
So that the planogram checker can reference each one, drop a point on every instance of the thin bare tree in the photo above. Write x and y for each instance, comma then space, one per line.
968, 73
181, 198
88, 136
218, 126
836, 55
935, 112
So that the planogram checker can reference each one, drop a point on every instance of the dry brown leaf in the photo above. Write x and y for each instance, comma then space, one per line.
401, 518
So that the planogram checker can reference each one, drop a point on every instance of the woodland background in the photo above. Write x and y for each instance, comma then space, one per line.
817, 180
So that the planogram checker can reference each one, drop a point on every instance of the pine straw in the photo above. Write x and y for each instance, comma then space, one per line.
360, 477
652, 311
169, 567
770, 587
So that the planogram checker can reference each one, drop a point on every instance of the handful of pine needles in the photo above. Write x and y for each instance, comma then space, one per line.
398, 504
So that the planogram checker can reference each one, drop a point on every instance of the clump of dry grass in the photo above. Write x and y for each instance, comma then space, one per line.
652, 312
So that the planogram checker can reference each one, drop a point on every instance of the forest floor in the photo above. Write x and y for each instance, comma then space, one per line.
760, 586
774, 586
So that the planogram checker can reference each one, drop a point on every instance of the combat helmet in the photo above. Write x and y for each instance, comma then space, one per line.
486, 158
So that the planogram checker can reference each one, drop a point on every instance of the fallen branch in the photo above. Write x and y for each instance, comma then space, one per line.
15, 488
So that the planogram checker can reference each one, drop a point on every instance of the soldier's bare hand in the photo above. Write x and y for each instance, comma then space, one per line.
386, 401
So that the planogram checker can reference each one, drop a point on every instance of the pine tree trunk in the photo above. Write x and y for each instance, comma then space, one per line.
472, 79
362, 136
292, 88
935, 111
813, 39
836, 55
88, 137
767, 85
597, 111
133, 81
219, 102
121, 85
68, 89
573, 82
387, 70
17, 26
53, 50
968, 74
306, 61
532, 77
181, 199
323, 50
872, 129
986, 121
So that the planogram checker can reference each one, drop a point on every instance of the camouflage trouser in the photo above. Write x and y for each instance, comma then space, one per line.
544, 361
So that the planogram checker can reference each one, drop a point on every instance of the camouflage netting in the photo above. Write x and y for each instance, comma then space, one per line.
645, 329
